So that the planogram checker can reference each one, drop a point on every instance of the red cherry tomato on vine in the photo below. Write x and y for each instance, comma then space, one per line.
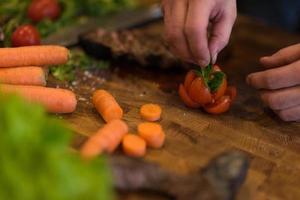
221, 90
232, 92
25, 35
189, 77
186, 99
220, 106
199, 92
43, 9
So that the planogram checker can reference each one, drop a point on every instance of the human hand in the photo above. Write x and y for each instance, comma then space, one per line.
280, 83
186, 28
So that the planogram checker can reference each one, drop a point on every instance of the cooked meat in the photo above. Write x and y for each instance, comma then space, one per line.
138, 45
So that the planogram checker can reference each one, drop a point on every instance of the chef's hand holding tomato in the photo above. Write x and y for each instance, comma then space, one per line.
280, 82
186, 28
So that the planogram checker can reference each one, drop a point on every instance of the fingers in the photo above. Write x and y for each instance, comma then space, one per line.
290, 114
278, 78
281, 99
175, 14
196, 30
283, 57
220, 35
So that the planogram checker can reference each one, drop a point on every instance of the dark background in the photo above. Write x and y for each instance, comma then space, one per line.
279, 13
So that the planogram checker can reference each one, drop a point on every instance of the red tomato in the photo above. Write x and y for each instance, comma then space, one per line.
220, 106
232, 92
199, 92
190, 76
221, 90
186, 99
43, 9
216, 68
26, 35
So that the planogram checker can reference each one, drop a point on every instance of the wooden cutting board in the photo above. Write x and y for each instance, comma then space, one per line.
194, 137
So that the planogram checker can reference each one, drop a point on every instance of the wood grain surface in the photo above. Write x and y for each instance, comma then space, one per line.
194, 137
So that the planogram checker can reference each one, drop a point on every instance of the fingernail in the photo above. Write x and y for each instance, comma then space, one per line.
202, 63
214, 58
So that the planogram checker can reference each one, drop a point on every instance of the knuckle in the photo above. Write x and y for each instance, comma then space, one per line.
172, 36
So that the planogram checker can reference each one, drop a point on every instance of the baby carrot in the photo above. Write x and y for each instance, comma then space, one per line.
33, 55
151, 112
107, 105
54, 100
106, 139
23, 76
134, 145
152, 133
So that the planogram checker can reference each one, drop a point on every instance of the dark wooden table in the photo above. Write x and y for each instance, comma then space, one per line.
194, 137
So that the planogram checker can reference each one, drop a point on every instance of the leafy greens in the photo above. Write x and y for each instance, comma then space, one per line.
36, 162
212, 79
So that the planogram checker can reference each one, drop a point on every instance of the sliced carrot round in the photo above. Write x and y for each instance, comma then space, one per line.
152, 133
134, 145
186, 99
151, 112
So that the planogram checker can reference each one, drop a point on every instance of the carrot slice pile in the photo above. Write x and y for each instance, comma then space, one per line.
107, 105
152, 133
107, 139
134, 145
151, 112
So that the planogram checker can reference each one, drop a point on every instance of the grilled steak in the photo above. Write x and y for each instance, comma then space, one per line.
137, 45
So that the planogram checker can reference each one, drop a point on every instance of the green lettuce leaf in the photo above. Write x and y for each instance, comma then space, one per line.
36, 160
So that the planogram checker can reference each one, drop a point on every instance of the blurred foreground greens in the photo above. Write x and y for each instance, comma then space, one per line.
36, 161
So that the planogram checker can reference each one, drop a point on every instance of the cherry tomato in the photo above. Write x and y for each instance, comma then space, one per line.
199, 92
26, 35
221, 90
43, 9
232, 92
190, 76
186, 99
220, 106
216, 68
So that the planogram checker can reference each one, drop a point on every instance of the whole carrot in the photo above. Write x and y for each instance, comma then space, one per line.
54, 100
106, 139
107, 105
23, 76
33, 55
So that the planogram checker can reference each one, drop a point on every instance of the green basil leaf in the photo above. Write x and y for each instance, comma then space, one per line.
216, 81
